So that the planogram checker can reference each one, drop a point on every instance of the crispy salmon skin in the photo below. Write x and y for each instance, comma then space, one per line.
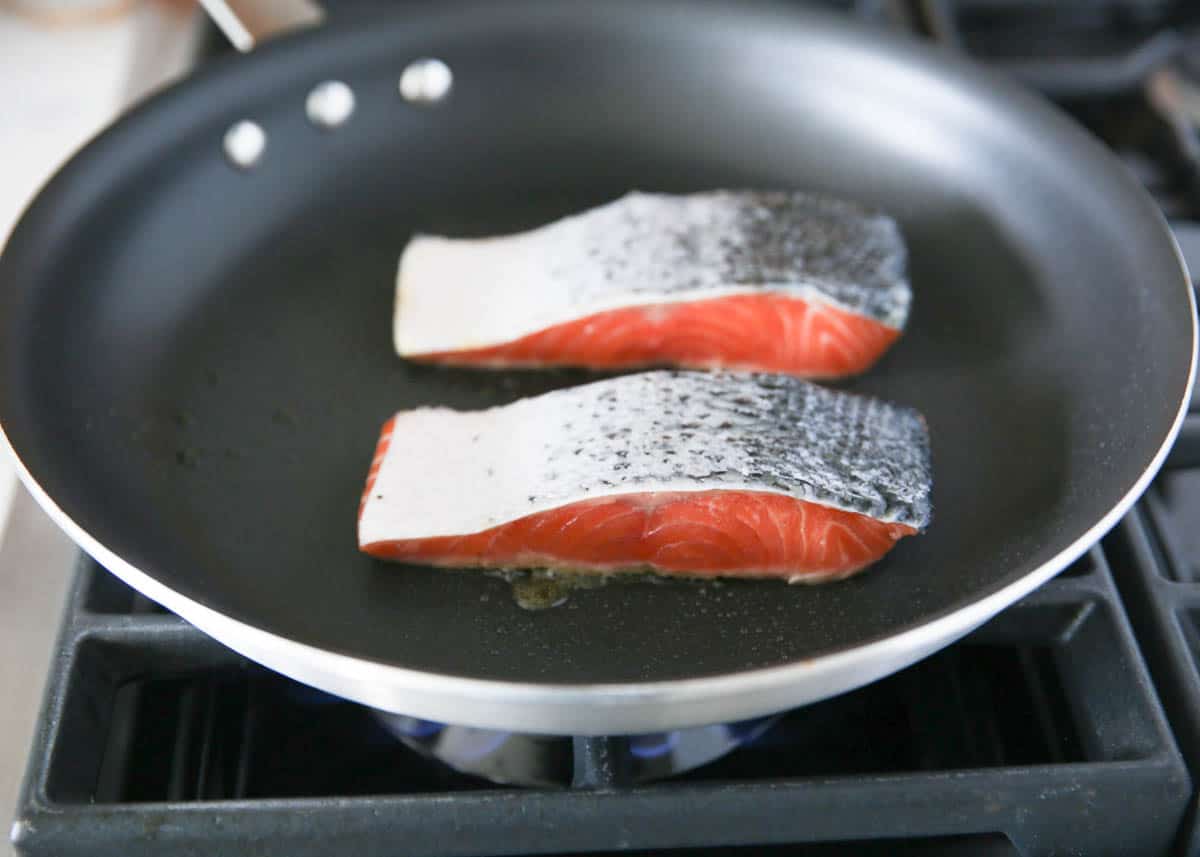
776, 281
674, 472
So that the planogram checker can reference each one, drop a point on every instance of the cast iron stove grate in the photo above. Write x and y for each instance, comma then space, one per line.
1038, 734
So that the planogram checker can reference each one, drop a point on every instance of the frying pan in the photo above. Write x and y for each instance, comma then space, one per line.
196, 358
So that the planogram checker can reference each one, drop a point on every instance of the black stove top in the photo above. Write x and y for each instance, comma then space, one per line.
1057, 728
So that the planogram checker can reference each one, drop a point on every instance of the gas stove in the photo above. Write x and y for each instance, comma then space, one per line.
1069, 724
1041, 733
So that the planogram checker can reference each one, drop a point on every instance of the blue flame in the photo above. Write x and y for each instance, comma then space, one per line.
653, 745
746, 732
414, 728
483, 742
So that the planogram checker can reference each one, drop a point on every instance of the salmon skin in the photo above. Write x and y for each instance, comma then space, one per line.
673, 472
765, 281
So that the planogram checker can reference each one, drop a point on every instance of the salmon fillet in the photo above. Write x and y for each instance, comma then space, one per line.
677, 473
772, 281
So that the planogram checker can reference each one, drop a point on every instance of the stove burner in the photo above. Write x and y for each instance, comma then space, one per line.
550, 760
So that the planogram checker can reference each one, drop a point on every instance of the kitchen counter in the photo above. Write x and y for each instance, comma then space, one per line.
61, 85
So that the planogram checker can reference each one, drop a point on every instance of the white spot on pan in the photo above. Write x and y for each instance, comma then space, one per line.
329, 104
426, 81
245, 143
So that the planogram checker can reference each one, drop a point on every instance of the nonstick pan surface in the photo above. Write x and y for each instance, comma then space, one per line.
196, 359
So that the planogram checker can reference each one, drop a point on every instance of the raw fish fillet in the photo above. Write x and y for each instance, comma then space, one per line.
677, 473
770, 281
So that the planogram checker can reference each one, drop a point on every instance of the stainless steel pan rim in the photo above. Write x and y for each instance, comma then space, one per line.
605, 709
